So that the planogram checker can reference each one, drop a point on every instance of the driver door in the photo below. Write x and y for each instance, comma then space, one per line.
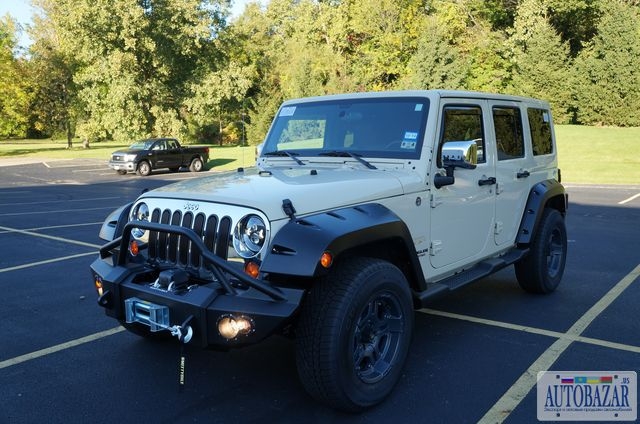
462, 214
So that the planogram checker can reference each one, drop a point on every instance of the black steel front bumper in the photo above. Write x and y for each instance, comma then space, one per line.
131, 282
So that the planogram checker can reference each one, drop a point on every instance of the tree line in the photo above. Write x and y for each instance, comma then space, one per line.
127, 69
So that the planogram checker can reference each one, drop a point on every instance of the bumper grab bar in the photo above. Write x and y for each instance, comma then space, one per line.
220, 266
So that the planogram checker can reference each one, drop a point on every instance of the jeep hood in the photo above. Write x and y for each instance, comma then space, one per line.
309, 191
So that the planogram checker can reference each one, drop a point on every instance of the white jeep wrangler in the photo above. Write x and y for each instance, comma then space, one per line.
361, 208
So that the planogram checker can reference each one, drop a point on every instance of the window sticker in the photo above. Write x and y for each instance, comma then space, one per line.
419, 107
410, 135
545, 117
288, 111
409, 140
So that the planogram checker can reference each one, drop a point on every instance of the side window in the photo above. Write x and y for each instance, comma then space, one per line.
160, 145
540, 127
172, 144
508, 127
464, 123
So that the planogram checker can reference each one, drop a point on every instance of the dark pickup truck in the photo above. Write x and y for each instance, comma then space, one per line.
146, 155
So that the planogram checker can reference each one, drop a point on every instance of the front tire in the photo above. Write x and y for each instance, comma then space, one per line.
541, 270
144, 168
354, 334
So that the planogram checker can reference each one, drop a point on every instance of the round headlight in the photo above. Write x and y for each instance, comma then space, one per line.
140, 213
249, 236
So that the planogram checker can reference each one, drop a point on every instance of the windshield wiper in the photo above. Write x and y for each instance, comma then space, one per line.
344, 154
284, 153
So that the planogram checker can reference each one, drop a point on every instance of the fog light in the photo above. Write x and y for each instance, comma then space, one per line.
230, 326
98, 284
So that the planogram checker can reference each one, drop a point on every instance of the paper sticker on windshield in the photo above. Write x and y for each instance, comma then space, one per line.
409, 135
418, 107
545, 117
288, 111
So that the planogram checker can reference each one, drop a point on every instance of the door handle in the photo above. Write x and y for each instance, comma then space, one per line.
487, 181
523, 174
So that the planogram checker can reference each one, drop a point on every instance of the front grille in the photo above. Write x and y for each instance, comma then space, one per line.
214, 231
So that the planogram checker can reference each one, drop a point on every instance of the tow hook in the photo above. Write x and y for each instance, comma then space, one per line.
183, 332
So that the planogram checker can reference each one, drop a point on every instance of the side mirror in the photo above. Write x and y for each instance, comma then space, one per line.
460, 154
456, 154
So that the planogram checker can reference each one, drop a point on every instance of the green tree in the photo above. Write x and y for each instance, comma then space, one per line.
540, 59
14, 93
136, 60
608, 69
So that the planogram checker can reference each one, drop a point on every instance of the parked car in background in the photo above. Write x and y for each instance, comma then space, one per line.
144, 156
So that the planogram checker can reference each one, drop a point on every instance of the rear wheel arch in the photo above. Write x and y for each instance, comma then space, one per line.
546, 194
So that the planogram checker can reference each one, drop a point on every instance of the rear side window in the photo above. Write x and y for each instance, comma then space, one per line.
507, 122
540, 127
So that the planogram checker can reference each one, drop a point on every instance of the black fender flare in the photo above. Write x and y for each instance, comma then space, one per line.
296, 249
113, 225
548, 193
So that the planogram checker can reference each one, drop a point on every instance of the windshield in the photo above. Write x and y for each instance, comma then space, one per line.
142, 145
371, 127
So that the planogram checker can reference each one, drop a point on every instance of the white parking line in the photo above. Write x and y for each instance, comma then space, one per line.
31, 233
527, 381
47, 261
630, 199
53, 349
534, 330
56, 211
54, 227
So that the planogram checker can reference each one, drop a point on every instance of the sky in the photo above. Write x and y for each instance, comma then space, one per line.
21, 11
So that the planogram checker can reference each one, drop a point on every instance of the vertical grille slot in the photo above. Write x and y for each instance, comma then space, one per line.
174, 238
224, 232
184, 244
153, 235
198, 228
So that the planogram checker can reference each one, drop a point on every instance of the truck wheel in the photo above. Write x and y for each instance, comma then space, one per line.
541, 270
144, 168
354, 334
196, 165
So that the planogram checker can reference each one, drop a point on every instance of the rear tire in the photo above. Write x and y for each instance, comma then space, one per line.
196, 165
354, 334
541, 270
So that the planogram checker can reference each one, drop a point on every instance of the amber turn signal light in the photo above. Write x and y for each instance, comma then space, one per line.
252, 269
326, 259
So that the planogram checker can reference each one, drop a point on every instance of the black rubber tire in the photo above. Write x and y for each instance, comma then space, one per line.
354, 333
196, 165
121, 172
541, 270
144, 168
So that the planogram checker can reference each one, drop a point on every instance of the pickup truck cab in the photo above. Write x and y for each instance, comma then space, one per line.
154, 153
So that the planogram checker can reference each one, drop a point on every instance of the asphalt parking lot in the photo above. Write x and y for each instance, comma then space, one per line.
474, 357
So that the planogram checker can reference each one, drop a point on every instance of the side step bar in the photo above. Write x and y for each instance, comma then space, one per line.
461, 279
